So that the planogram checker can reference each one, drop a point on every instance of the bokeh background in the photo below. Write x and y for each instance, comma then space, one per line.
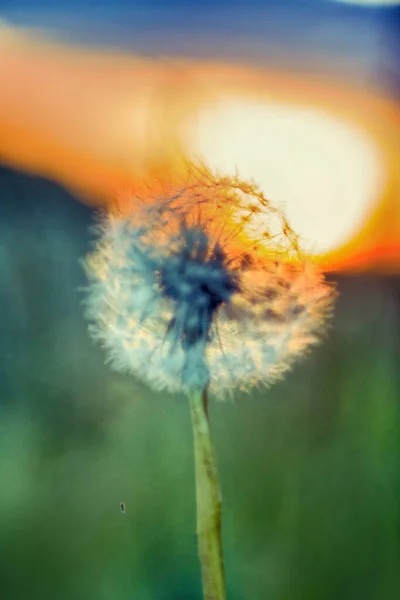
310, 470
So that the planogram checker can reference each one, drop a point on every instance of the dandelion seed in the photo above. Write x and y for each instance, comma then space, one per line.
184, 296
187, 293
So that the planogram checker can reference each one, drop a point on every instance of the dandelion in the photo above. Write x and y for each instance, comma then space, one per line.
204, 291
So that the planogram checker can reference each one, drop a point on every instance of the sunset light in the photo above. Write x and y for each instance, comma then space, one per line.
323, 150
327, 174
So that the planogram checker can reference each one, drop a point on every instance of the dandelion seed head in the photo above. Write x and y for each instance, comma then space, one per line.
186, 291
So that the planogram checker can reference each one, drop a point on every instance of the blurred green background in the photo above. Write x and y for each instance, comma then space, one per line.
310, 470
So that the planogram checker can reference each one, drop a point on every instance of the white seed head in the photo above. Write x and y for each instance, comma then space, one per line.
183, 296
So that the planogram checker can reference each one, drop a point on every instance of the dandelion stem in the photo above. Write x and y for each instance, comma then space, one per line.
208, 501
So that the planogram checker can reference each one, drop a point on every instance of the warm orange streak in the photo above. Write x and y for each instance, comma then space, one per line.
97, 120
376, 247
93, 120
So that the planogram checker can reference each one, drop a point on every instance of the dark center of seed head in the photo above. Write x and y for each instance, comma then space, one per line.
199, 281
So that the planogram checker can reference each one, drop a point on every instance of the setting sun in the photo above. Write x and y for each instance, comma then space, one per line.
326, 173
100, 121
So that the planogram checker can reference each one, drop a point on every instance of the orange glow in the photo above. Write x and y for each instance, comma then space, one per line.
325, 172
92, 120
97, 121
376, 245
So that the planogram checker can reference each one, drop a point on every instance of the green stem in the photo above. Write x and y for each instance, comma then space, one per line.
208, 501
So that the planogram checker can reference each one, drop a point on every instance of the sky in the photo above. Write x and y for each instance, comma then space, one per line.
335, 40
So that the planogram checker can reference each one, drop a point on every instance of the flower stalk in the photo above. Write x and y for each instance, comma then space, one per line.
204, 290
208, 499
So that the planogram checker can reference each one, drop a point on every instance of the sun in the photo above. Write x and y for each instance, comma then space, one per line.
326, 174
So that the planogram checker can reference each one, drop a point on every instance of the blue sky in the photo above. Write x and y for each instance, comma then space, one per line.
246, 29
